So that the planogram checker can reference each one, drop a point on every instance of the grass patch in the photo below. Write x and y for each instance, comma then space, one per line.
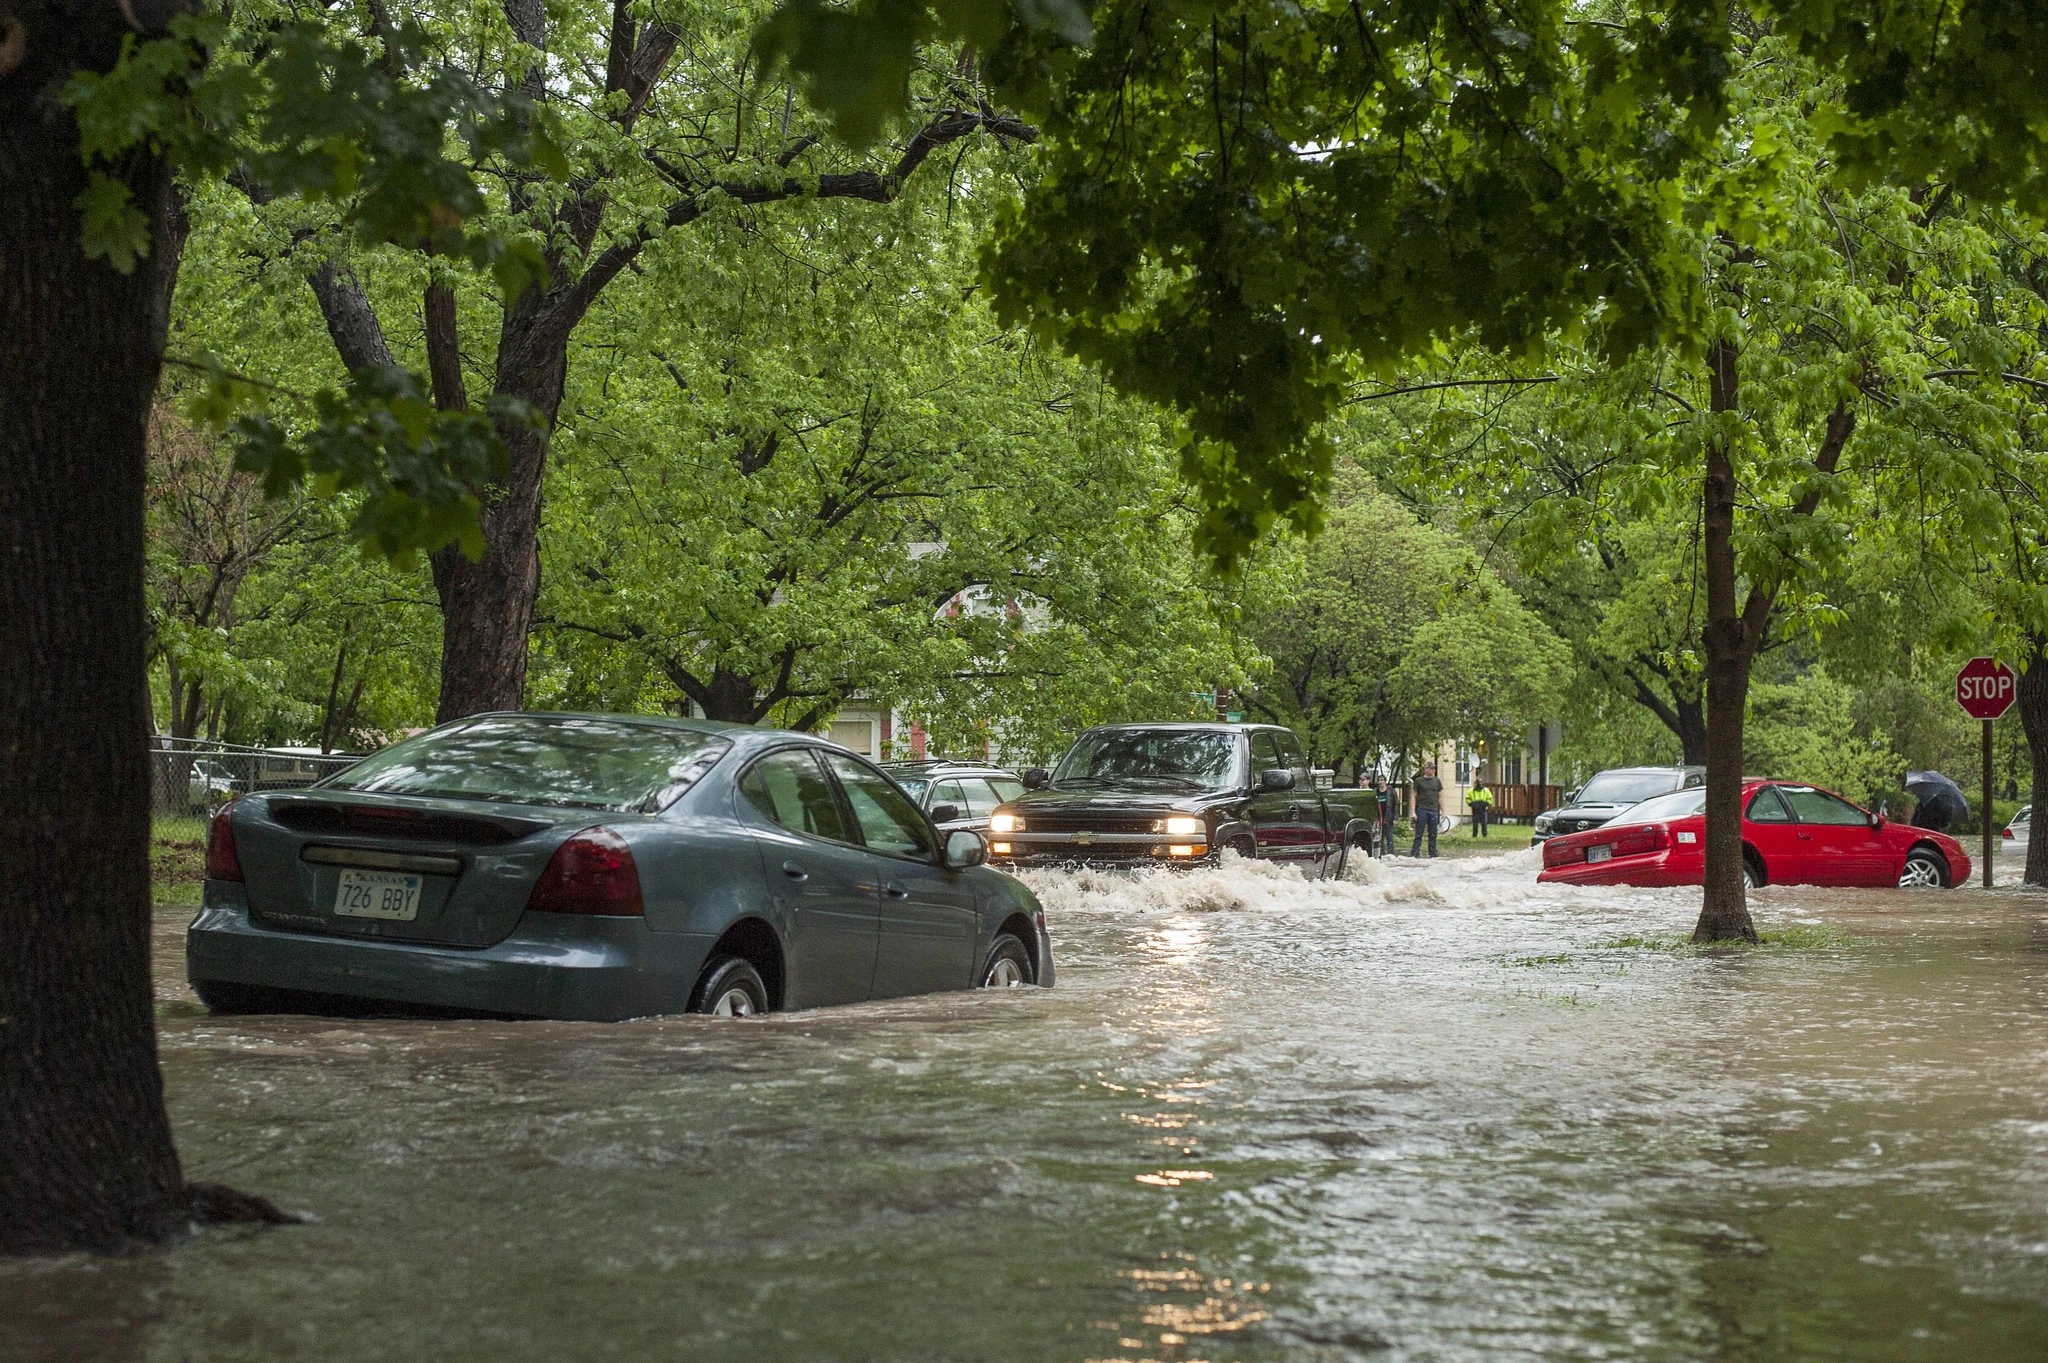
177, 860
1526, 962
1796, 937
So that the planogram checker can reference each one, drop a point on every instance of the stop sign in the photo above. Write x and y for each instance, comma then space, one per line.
1985, 688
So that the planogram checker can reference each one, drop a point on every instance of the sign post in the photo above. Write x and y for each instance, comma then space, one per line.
1985, 688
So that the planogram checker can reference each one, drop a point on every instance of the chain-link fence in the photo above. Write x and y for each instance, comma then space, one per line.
192, 776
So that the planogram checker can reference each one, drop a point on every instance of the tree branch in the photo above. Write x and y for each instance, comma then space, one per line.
1756, 610
444, 350
568, 309
1452, 383
357, 336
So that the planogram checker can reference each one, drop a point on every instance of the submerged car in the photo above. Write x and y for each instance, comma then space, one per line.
1608, 794
1792, 834
2015, 834
601, 867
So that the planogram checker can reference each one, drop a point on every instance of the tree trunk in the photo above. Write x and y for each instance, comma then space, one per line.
86, 1159
487, 604
2034, 719
1691, 728
1724, 908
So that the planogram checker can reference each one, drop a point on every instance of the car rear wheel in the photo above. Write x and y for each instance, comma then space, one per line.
732, 988
1924, 870
1752, 875
1008, 964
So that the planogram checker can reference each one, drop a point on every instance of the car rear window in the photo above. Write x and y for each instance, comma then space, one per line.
1677, 805
579, 761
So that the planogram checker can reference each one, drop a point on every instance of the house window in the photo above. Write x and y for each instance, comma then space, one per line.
856, 734
1511, 771
1464, 765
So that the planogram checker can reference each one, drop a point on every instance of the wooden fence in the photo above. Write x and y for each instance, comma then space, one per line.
1526, 801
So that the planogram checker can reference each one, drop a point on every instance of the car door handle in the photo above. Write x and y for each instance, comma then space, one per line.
895, 891
1294, 813
794, 871
1804, 837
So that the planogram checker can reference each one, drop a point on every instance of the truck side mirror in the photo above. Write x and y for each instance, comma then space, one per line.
944, 813
1036, 778
1276, 778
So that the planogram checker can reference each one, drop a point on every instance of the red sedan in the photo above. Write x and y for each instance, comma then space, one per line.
1791, 834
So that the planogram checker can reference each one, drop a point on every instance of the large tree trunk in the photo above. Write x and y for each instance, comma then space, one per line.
2034, 719
86, 1160
487, 604
1724, 908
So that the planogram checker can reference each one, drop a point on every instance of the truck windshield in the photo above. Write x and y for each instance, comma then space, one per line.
1625, 787
1203, 761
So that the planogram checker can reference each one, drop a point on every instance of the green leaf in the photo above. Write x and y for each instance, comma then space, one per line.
111, 227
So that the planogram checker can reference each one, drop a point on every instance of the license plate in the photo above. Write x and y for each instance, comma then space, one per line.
1600, 853
378, 894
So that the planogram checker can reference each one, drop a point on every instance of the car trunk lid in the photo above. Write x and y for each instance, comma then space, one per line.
415, 869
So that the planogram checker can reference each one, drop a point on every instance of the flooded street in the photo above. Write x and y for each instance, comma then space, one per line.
1434, 1113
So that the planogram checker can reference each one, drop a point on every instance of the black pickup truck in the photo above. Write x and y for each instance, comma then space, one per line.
1131, 794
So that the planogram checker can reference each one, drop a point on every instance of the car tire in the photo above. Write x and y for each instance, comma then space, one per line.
731, 988
1008, 964
224, 998
1245, 848
1752, 873
1925, 869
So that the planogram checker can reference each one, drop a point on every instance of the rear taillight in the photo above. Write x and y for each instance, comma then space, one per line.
221, 861
593, 872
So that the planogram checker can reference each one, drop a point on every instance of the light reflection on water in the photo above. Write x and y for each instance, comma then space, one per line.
1430, 1113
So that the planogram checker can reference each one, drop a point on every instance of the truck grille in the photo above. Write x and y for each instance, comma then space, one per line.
1094, 823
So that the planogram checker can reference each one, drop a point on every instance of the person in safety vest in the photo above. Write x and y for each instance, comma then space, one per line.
1481, 800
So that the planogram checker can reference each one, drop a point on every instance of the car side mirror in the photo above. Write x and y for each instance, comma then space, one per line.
944, 813
1036, 778
1276, 778
964, 848
1877, 819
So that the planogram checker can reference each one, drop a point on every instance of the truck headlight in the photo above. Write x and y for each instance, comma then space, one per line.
1006, 823
1181, 826
1544, 822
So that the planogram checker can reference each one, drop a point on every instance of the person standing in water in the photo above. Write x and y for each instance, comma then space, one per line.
1429, 795
1384, 790
1481, 800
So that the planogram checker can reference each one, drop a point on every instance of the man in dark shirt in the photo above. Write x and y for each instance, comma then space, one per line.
1429, 797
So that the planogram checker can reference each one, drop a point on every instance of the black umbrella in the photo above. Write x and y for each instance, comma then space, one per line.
1937, 801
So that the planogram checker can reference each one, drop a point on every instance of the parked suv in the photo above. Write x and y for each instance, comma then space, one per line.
1610, 792
970, 790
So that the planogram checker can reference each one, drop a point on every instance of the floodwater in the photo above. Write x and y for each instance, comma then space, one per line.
1435, 1113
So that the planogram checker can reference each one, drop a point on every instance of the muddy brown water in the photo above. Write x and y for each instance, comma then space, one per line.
1437, 1113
